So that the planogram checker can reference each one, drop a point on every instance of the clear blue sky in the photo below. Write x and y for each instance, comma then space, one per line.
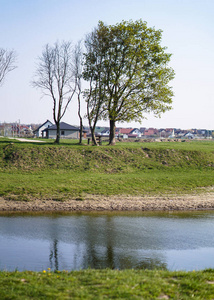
188, 33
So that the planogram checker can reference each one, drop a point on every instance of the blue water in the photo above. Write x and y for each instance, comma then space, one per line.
173, 241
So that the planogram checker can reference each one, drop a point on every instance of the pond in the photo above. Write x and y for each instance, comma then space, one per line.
173, 241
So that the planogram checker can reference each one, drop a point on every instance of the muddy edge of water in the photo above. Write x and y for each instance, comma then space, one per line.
202, 201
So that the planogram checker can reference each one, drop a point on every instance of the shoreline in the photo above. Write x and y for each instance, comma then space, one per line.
188, 202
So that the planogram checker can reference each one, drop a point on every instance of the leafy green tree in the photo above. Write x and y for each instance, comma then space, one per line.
128, 72
93, 73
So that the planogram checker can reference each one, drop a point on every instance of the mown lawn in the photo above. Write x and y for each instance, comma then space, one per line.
64, 185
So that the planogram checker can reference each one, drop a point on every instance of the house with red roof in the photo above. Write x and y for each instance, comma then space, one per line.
129, 132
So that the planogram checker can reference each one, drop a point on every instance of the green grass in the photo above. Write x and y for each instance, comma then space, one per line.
60, 172
107, 284
64, 185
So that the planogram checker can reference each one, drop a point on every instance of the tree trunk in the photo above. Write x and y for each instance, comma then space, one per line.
81, 131
112, 133
79, 113
57, 133
93, 136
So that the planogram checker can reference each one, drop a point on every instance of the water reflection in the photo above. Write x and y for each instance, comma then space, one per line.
53, 257
167, 241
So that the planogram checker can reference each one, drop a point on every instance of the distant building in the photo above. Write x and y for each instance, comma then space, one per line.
25, 131
172, 135
190, 135
66, 131
38, 131
150, 132
124, 132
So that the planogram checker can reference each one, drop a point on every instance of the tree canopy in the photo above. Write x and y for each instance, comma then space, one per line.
128, 72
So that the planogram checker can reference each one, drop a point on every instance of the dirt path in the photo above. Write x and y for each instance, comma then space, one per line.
26, 140
203, 201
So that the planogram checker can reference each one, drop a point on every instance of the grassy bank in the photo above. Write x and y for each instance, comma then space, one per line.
60, 172
107, 284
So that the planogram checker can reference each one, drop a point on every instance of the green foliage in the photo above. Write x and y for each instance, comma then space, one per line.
128, 72
107, 284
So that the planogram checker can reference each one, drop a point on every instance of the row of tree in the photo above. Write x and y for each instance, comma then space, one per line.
125, 71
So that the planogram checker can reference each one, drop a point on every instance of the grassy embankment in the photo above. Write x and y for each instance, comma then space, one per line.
60, 172
107, 284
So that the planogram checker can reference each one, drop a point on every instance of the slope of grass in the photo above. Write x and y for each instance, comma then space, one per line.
69, 170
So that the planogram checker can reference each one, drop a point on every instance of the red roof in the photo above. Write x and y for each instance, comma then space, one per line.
125, 130
150, 131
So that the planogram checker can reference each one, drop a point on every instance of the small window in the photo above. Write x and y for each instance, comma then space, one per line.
62, 132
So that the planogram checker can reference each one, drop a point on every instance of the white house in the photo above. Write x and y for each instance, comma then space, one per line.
66, 131
38, 131
136, 132
105, 132
191, 135
172, 135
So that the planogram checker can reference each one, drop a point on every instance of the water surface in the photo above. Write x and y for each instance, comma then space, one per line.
174, 241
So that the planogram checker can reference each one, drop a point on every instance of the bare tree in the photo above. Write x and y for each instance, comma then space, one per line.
78, 58
55, 77
7, 63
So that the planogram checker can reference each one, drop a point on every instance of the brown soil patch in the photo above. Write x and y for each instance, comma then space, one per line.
203, 201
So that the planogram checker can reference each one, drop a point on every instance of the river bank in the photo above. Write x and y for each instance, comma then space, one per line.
126, 177
201, 201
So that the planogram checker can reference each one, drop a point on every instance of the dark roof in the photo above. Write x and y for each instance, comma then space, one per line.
63, 126
99, 129
42, 125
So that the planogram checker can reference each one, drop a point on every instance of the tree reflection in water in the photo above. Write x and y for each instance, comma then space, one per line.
53, 257
98, 243
80, 241
104, 249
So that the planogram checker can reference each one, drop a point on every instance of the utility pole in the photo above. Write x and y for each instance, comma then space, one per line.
19, 129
